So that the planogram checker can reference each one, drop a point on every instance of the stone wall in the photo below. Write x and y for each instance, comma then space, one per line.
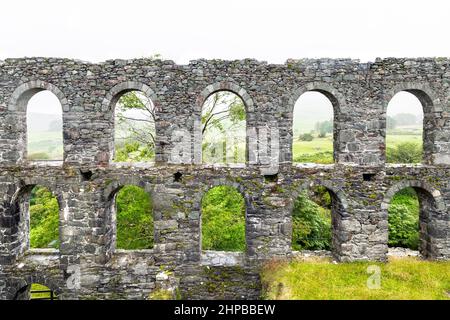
87, 265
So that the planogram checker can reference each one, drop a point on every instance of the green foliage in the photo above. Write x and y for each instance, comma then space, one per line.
134, 219
222, 110
223, 220
306, 137
131, 100
403, 217
405, 152
135, 128
401, 279
44, 219
134, 152
311, 224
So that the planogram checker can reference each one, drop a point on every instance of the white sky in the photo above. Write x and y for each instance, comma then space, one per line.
269, 30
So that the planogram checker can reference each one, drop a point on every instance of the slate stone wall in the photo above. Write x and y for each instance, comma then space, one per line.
87, 265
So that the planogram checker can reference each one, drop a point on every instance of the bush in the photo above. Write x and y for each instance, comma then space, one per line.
403, 217
405, 152
44, 219
306, 137
223, 220
134, 219
311, 225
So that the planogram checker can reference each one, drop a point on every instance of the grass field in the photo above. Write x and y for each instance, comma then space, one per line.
320, 150
401, 278
48, 142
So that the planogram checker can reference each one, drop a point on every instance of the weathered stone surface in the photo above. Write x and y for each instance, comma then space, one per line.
87, 265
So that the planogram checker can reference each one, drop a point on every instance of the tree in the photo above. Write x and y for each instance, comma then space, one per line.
324, 127
135, 127
222, 107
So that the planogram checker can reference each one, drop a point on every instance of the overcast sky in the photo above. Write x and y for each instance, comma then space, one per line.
272, 30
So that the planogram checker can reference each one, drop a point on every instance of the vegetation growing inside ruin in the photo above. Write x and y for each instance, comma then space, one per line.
223, 211
311, 221
400, 278
44, 219
134, 216
223, 220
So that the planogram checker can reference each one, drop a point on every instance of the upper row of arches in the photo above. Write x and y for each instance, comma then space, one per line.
224, 107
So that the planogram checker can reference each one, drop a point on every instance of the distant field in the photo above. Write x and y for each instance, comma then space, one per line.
51, 144
48, 142
320, 150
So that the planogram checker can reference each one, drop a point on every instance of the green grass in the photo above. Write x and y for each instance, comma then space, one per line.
394, 140
40, 287
401, 278
320, 150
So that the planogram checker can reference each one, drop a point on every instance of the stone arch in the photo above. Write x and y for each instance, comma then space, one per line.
113, 95
23, 93
433, 218
422, 91
109, 195
234, 88
19, 213
431, 106
337, 101
340, 217
225, 86
109, 103
28, 280
18, 104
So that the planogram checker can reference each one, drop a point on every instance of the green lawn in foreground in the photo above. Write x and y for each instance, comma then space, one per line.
401, 278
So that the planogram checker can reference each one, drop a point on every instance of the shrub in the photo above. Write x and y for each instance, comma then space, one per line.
223, 220
403, 217
306, 137
311, 225
405, 152
44, 219
134, 218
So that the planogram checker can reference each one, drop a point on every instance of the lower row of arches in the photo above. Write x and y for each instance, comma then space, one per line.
317, 217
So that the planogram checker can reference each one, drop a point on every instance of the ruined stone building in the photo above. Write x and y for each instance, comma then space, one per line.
87, 264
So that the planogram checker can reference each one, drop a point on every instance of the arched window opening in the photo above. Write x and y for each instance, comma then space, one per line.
134, 135
313, 129
35, 291
134, 219
312, 220
404, 129
223, 220
44, 219
224, 128
44, 127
